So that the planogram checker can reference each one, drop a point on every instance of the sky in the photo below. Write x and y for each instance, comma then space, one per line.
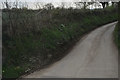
45, 0
56, 0
69, 3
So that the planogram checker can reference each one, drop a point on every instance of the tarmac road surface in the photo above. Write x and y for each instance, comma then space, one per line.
94, 56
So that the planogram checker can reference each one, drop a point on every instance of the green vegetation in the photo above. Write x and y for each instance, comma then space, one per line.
117, 36
33, 41
117, 31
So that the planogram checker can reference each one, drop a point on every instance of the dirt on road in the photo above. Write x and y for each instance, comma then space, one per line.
94, 56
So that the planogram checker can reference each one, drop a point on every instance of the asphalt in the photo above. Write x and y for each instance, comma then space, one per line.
94, 56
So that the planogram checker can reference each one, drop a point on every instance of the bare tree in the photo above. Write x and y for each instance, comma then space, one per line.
6, 4
104, 4
16, 4
39, 5
62, 5
114, 4
20, 5
77, 4
3, 5
25, 5
83, 5
49, 6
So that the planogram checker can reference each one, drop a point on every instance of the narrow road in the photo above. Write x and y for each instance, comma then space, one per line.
94, 56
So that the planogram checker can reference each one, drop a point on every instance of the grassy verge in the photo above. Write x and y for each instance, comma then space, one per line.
117, 30
26, 49
117, 36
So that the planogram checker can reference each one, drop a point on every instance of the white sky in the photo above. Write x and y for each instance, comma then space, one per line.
56, 0
69, 3
32, 5
46, 0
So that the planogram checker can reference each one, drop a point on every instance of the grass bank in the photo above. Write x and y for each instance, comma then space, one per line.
31, 42
117, 30
117, 35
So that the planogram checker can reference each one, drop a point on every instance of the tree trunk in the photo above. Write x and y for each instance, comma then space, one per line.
103, 4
